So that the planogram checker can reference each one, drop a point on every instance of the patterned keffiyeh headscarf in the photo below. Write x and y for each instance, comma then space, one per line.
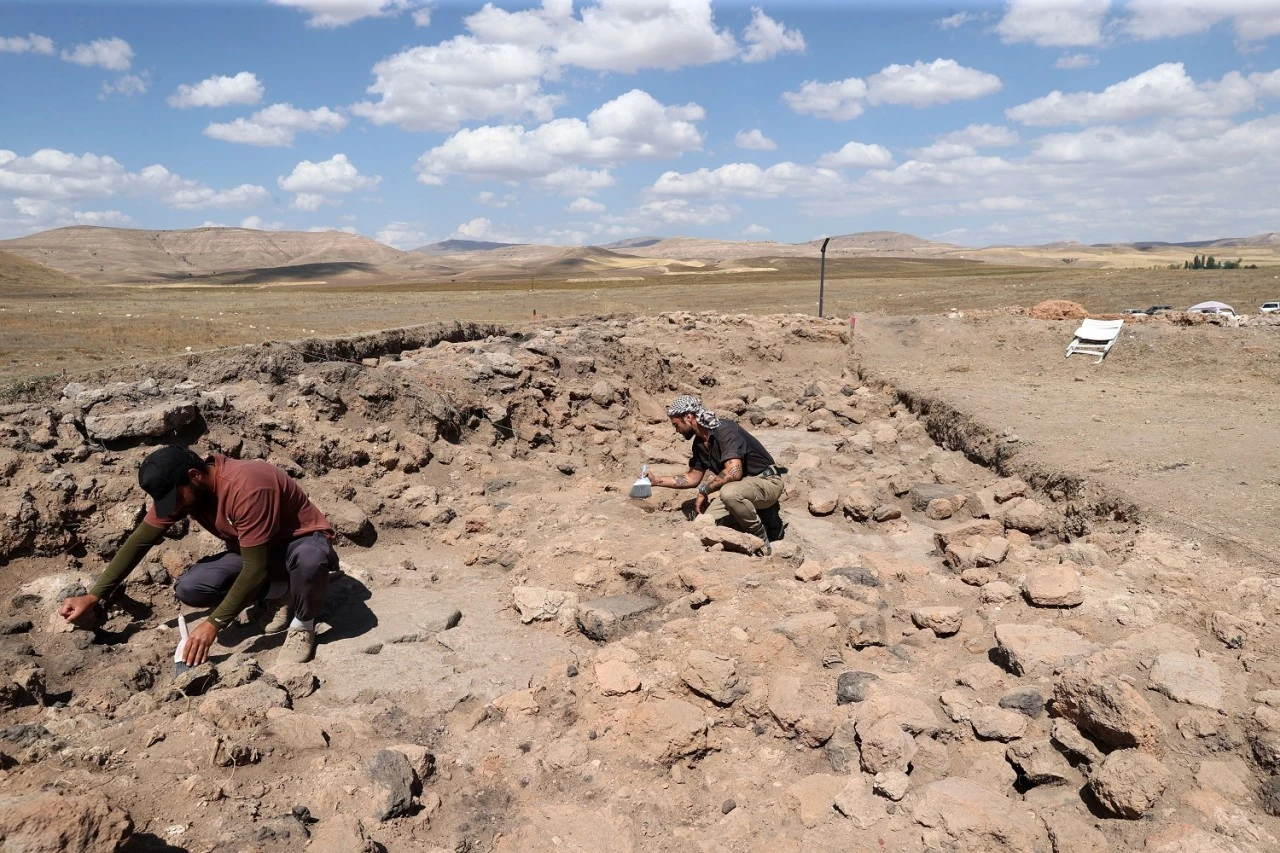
690, 405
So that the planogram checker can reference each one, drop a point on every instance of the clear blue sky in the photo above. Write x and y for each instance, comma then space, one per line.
575, 122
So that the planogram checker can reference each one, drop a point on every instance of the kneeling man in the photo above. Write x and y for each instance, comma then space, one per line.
731, 464
279, 547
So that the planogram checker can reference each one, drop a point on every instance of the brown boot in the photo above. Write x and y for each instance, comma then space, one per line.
299, 646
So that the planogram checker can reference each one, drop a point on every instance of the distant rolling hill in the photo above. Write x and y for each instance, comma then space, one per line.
448, 247
21, 277
120, 254
244, 256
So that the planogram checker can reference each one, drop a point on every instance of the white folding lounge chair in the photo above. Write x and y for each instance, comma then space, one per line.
1095, 337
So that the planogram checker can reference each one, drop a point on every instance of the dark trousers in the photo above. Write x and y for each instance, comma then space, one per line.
307, 560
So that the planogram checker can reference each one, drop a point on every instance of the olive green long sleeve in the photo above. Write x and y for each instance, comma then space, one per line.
247, 584
126, 559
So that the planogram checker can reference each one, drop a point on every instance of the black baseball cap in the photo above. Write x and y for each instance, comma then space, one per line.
163, 472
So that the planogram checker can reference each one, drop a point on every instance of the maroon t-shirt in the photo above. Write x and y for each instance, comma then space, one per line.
257, 504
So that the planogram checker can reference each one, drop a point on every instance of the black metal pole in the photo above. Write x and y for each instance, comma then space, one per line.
822, 276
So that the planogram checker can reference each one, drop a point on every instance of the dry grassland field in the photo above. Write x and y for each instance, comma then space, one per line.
1023, 602
51, 327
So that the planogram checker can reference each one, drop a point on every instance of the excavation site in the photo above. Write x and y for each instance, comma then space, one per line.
1017, 604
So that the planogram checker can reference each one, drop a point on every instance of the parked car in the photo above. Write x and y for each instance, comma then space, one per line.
1133, 311
1212, 307
1270, 307
1159, 309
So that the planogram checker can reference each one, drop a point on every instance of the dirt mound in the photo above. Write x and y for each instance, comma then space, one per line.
1059, 309
516, 656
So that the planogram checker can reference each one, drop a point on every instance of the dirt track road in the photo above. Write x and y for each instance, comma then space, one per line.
1183, 420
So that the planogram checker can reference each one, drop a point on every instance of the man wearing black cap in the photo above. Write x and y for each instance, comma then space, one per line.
731, 464
279, 546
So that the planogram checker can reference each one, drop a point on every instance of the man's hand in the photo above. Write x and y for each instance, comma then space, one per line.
76, 608
199, 642
700, 503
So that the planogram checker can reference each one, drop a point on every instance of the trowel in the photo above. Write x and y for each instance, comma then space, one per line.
179, 663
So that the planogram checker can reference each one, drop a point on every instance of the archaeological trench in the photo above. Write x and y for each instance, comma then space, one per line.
951, 649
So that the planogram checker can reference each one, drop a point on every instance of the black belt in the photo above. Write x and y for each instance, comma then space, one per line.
772, 471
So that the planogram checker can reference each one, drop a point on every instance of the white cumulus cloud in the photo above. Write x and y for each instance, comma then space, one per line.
27, 215
481, 228
440, 87
329, 14
754, 140
612, 35
924, 84
315, 184
581, 204
257, 223
921, 84
1165, 90
404, 235
959, 19
766, 38
748, 180
857, 155
1252, 20
1054, 23
127, 85
841, 100
1071, 61
31, 43
681, 212
218, 91
57, 175
633, 126
113, 54
276, 125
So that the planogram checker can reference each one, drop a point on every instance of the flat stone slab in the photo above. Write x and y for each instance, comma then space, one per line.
1037, 649
141, 423
603, 618
1187, 678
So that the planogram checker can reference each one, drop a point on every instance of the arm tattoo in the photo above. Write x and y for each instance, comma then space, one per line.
680, 481
732, 470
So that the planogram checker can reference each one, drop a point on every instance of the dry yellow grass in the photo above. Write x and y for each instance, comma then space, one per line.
67, 328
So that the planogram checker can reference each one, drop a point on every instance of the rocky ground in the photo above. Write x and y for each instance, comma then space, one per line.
517, 656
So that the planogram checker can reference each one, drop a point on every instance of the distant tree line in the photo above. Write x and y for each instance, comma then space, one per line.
1209, 262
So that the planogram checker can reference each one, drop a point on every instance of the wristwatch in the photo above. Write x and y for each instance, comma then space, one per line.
704, 489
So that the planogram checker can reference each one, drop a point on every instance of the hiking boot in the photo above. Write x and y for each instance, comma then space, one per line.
773, 523
299, 646
760, 533
275, 615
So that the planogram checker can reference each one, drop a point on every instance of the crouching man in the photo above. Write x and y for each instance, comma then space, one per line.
279, 547
736, 478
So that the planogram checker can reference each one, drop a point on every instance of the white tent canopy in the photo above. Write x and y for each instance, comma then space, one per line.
1216, 306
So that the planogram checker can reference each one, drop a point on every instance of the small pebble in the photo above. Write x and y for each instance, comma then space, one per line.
572, 671
729, 805
372, 649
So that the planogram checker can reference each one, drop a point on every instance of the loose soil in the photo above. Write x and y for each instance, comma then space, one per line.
516, 656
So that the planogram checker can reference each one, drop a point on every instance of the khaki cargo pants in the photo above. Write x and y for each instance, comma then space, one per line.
739, 500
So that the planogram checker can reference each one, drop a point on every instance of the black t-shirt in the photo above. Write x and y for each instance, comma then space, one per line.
730, 441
